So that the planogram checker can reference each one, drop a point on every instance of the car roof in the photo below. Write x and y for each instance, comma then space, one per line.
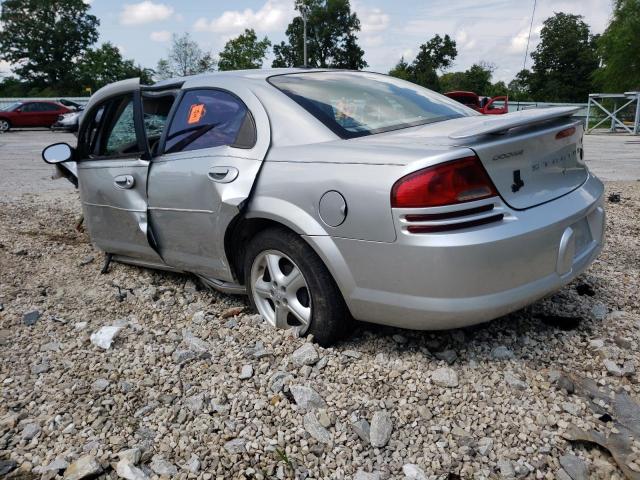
252, 74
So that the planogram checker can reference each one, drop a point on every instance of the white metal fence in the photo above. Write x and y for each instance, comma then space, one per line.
621, 112
514, 106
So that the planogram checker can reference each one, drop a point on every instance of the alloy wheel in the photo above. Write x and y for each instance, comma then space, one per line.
4, 125
280, 291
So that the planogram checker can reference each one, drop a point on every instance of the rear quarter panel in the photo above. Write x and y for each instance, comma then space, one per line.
293, 179
290, 191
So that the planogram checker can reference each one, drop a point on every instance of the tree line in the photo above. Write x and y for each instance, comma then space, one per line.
52, 47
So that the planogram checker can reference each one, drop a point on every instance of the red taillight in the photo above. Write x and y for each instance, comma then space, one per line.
459, 181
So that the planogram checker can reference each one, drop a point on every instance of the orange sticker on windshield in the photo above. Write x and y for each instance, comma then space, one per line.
196, 112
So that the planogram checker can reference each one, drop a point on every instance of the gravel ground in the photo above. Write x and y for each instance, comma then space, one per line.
195, 385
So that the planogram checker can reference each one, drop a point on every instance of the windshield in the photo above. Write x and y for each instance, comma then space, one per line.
354, 104
11, 107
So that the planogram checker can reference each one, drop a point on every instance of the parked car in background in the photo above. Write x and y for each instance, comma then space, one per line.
68, 122
485, 105
70, 104
36, 113
328, 194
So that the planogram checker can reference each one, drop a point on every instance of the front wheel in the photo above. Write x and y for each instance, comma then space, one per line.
291, 288
4, 125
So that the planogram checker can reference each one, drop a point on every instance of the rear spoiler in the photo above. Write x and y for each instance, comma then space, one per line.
502, 123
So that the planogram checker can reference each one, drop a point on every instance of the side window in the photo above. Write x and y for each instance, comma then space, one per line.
39, 107
90, 137
30, 107
120, 132
210, 118
156, 112
109, 130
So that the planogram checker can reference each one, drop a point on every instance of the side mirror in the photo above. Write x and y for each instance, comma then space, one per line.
58, 153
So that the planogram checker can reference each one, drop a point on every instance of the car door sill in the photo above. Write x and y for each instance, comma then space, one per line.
219, 285
143, 263
222, 286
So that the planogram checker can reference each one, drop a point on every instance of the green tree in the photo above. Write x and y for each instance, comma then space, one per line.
436, 54
243, 52
331, 37
475, 79
402, 70
520, 86
619, 49
478, 78
185, 58
451, 81
44, 38
12, 87
564, 61
104, 65
498, 89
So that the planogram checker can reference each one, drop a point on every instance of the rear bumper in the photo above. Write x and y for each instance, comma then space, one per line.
454, 279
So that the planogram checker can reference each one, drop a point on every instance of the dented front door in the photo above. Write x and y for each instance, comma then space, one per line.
112, 174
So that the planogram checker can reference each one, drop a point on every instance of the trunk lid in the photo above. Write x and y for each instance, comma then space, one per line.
535, 165
527, 160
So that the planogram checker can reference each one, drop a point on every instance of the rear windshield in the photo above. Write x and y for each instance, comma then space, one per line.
354, 104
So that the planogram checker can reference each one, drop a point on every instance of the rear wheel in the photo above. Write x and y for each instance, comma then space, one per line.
4, 125
291, 288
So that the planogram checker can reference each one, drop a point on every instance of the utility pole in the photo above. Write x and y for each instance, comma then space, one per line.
303, 12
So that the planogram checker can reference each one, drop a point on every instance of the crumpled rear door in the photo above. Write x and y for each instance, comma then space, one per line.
195, 194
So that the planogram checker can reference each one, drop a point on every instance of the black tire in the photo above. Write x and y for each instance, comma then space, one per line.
329, 315
8, 125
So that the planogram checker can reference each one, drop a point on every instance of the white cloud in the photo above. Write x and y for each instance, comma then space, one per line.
408, 54
274, 15
372, 20
371, 41
144, 12
373, 23
519, 41
463, 41
161, 36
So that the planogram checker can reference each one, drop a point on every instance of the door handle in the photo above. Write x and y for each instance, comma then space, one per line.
223, 174
124, 181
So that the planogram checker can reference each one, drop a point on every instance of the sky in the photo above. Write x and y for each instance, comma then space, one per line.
493, 31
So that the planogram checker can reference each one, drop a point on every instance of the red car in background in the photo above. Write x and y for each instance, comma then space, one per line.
35, 113
484, 105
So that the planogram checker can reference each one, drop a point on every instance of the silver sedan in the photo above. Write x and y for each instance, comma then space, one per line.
330, 195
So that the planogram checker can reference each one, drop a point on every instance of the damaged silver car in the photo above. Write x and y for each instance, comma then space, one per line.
327, 195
